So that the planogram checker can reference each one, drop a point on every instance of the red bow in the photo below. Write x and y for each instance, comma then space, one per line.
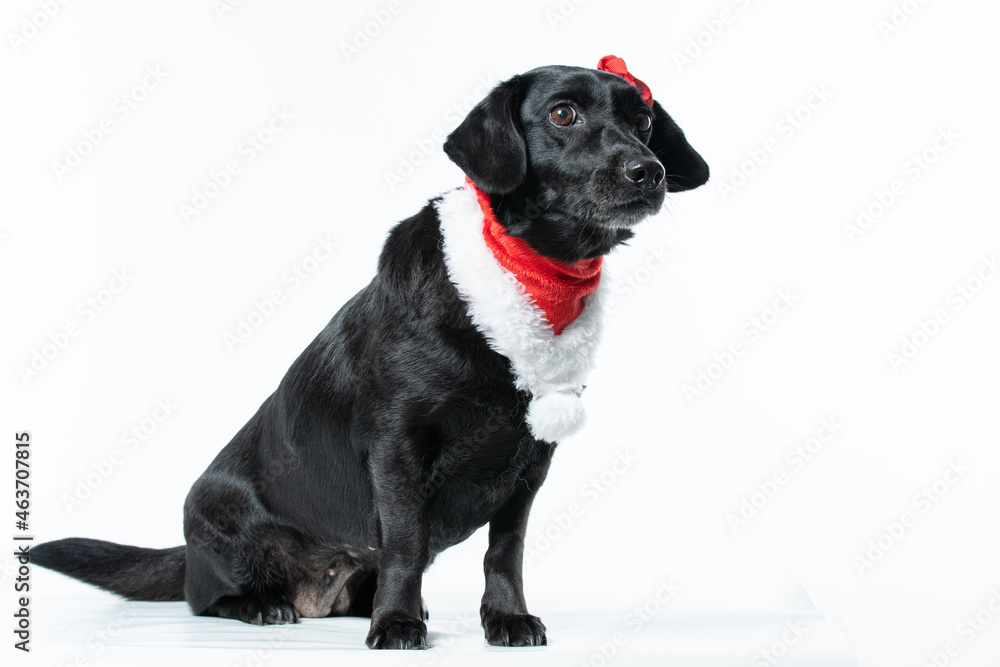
616, 65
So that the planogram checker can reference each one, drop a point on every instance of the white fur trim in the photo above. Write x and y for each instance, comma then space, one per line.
552, 368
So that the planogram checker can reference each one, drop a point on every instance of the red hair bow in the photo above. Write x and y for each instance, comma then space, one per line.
616, 65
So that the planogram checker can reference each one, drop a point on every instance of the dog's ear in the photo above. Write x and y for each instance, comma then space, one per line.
489, 145
685, 168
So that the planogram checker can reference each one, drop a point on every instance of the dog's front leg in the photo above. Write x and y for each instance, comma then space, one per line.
404, 554
504, 612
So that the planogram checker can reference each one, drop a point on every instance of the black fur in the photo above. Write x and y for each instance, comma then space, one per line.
398, 431
132, 572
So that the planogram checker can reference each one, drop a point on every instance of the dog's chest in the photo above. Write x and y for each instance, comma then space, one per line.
477, 471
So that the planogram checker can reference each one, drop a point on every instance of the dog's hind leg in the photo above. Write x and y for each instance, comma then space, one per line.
258, 610
241, 563
249, 585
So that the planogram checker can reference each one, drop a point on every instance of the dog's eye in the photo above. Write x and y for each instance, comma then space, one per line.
563, 115
643, 121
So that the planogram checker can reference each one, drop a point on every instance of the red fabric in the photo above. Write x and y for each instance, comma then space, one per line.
616, 65
558, 288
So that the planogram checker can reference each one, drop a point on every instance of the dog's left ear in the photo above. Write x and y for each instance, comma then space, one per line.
686, 169
489, 145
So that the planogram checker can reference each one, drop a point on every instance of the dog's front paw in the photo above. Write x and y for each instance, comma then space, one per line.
513, 629
397, 631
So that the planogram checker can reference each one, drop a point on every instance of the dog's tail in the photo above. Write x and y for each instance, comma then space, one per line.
132, 572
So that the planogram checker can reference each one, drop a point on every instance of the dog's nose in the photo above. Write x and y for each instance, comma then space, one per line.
647, 173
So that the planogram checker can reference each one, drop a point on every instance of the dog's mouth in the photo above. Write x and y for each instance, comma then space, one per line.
627, 213
637, 205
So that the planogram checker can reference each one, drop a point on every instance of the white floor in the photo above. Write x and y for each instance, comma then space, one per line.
725, 613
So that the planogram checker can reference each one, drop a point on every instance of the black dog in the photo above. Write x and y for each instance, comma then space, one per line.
431, 403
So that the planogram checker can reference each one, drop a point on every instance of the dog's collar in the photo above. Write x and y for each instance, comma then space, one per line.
556, 287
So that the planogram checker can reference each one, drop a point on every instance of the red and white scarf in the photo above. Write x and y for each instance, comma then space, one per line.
545, 316
556, 287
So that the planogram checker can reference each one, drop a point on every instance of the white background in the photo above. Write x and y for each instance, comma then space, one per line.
886, 97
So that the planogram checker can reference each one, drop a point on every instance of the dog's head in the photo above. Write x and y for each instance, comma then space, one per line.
572, 158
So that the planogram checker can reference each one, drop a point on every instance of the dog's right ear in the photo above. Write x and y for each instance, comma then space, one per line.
686, 169
489, 145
